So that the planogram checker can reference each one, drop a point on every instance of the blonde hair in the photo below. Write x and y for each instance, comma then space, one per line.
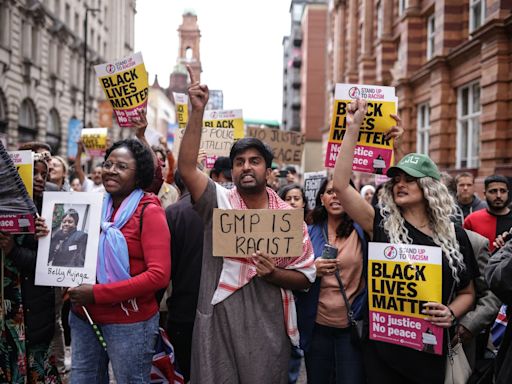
440, 209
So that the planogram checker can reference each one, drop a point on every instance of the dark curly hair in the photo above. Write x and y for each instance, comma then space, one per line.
143, 159
318, 215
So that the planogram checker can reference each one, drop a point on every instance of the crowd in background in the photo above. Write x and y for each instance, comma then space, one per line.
148, 202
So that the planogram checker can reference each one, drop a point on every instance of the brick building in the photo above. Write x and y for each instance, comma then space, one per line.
451, 64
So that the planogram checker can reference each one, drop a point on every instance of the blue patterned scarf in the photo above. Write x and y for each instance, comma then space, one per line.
113, 259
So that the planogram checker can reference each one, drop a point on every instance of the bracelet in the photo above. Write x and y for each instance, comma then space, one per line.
454, 318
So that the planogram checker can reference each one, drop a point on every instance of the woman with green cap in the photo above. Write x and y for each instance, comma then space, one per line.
414, 208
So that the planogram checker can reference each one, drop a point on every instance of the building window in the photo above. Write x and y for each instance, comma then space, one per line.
57, 9
27, 39
380, 19
476, 14
52, 62
423, 129
5, 26
468, 126
431, 36
77, 24
27, 126
67, 15
3, 114
53, 130
35, 44
402, 5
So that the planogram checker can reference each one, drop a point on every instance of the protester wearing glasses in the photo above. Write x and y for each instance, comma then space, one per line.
133, 264
414, 208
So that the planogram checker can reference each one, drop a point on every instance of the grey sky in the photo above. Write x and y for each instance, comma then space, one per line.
241, 48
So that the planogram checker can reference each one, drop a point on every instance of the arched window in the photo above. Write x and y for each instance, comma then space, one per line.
189, 54
27, 129
53, 130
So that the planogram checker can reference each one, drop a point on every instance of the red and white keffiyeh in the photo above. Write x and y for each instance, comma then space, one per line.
237, 272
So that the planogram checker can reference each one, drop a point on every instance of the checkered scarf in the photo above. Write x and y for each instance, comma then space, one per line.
237, 272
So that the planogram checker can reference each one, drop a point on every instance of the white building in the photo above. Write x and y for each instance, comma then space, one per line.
42, 64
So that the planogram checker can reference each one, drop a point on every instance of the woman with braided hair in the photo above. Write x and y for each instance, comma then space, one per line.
414, 208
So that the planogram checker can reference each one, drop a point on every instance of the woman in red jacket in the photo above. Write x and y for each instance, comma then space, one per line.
133, 264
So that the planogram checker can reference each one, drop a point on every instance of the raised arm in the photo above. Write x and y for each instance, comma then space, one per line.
195, 180
353, 203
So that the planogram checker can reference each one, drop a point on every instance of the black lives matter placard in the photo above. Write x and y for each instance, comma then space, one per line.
240, 233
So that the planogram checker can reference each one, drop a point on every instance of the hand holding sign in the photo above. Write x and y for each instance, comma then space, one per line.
265, 266
41, 227
81, 295
139, 123
198, 93
440, 314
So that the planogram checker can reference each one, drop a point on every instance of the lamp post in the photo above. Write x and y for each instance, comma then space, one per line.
86, 89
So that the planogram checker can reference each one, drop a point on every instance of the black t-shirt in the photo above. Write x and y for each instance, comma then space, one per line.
187, 231
503, 222
416, 366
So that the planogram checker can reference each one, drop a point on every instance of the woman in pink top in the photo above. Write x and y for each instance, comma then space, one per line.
331, 355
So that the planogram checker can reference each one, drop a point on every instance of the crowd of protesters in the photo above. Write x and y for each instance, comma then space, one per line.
253, 320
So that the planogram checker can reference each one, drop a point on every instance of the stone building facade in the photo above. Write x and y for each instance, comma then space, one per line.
451, 64
42, 66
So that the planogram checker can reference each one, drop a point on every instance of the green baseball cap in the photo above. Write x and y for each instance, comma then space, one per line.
416, 165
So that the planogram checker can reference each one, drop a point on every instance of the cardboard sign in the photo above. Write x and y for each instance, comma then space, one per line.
125, 84
373, 153
402, 278
95, 141
23, 161
287, 146
215, 142
181, 101
240, 233
225, 119
312, 183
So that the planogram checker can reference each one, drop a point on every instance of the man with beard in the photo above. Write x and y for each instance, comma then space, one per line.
245, 316
497, 218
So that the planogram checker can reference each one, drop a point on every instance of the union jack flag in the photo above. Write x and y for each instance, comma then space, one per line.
500, 324
163, 370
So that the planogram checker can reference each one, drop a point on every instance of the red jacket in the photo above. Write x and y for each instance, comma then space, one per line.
150, 268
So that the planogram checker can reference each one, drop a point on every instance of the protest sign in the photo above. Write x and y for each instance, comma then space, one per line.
215, 141
402, 278
287, 146
181, 102
312, 183
95, 141
125, 84
225, 119
67, 256
373, 153
241, 232
17, 209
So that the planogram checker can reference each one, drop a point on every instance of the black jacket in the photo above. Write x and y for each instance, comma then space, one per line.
38, 301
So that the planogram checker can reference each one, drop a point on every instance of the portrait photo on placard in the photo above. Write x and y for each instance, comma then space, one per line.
67, 256
69, 235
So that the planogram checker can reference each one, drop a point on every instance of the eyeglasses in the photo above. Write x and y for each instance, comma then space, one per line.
121, 167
